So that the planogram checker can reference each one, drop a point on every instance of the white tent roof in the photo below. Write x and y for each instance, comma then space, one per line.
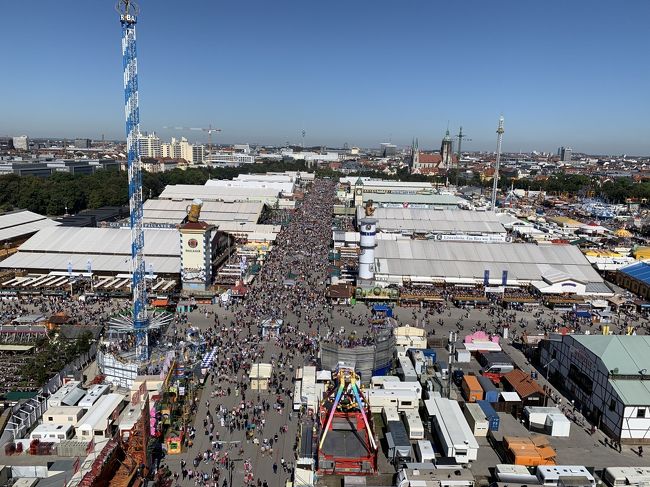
24, 222
438, 221
524, 262
213, 193
108, 249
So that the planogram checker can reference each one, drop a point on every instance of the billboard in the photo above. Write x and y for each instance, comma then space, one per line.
193, 258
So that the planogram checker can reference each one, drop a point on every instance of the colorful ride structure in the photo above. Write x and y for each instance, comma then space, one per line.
347, 443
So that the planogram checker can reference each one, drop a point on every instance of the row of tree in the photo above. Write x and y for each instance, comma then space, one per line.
52, 195
614, 191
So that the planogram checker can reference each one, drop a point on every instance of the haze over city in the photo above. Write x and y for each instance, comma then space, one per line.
562, 73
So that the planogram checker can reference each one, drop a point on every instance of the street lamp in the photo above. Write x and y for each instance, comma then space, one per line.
546, 367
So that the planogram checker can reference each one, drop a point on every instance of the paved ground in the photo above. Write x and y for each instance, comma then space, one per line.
580, 448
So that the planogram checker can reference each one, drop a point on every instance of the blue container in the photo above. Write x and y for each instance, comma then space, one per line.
490, 414
430, 353
381, 370
490, 392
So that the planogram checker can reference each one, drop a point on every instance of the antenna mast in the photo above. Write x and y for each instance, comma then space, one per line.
460, 138
495, 179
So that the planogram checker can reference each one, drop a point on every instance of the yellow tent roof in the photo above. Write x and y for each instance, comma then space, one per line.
642, 253
622, 232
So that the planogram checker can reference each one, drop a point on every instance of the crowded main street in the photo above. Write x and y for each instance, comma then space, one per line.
244, 437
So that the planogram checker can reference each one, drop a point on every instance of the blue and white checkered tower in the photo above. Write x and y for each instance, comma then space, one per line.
128, 11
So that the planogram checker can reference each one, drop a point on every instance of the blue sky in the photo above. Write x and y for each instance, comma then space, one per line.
564, 72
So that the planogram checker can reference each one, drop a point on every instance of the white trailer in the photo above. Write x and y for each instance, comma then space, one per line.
406, 370
627, 476
549, 475
68, 395
400, 399
424, 452
93, 394
403, 386
389, 414
378, 381
452, 430
297, 395
476, 419
413, 424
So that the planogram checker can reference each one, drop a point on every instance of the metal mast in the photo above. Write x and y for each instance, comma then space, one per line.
128, 11
495, 179
460, 138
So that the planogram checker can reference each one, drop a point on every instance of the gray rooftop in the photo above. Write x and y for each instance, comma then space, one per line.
439, 259
108, 249
213, 212
424, 220
427, 199
23, 222
213, 193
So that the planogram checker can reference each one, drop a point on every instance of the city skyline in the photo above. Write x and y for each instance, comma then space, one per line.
562, 75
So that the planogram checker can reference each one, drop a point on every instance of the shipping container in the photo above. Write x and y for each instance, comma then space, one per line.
472, 390
490, 392
443, 368
490, 414
476, 419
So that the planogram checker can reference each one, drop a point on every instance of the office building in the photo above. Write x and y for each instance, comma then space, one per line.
242, 148
565, 154
82, 143
178, 149
6, 143
387, 149
198, 154
149, 145
21, 142
230, 158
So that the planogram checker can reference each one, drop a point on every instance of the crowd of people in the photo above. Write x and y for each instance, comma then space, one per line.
245, 430
245, 436
79, 312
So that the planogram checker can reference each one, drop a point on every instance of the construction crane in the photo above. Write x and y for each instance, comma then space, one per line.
460, 137
128, 11
495, 179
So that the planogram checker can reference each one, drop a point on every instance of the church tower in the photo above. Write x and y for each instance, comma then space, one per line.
446, 152
415, 156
